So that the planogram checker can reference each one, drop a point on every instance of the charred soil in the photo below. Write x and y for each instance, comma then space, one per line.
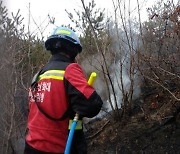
154, 129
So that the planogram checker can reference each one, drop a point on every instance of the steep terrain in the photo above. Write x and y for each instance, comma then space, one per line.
154, 129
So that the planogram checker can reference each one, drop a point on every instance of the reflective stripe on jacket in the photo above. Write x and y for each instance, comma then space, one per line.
62, 86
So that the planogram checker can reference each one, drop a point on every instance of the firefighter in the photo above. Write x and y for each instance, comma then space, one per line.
58, 91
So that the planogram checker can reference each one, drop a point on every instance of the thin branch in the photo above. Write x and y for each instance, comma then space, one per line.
100, 51
100, 130
178, 99
169, 72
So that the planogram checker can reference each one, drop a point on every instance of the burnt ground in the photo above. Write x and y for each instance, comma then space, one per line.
153, 130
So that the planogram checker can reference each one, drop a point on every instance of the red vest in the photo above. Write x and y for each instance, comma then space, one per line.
55, 86
40, 127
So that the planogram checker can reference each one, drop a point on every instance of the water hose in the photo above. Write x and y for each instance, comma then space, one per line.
91, 81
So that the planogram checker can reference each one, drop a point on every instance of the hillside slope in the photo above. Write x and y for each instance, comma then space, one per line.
156, 132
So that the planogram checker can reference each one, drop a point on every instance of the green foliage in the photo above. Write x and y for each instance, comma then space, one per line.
98, 21
26, 48
22, 54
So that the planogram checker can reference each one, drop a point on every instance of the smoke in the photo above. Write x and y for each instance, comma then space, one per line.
93, 64
124, 60
120, 58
